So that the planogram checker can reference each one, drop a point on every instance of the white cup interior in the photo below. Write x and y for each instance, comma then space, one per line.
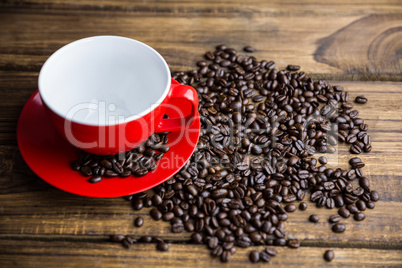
104, 80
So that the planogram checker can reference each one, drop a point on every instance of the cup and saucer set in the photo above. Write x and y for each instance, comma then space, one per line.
106, 95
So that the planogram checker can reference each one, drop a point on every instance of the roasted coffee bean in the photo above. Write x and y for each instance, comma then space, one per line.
361, 99
156, 214
334, 218
138, 204
290, 208
313, 218
225, 257
196, 238
374, 196
344, 213
354, 149
95, 179
271, 251
139, 221
322, 160
249, 49
264, 256
302, 206
329, 255
254, 256
117, 238
140, 172
370, 205
146, 239
293, 67
339, 228
110, 174
162, 246
75, 165
86, 171
361, 205
359, 216
352, 208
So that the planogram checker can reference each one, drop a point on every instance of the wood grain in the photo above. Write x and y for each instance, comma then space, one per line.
185, 29
28, 253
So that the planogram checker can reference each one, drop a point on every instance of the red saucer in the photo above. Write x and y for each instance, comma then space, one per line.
49, 155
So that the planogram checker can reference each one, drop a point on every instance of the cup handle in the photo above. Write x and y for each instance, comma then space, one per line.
179, 91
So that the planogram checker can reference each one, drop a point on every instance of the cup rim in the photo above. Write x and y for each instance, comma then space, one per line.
77, 42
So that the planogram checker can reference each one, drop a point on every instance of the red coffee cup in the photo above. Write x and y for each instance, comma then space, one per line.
108, 94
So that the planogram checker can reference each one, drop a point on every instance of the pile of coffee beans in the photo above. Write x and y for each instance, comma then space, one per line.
138, 161
254, 160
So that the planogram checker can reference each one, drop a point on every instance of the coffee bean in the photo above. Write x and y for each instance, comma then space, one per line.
361, 99
374, 196
254, 256
264, 256
75, 165
110, 174
344, 213
302, 206
225, 257
352, 208
361, 205
196, 238
313, 218
359, 216
139, 221
329, 255
271, 251
117, 238
293, 67
370, 205
86, 171
339, 228
322, 160
334, 219
145, 239
354, 149
162, 246
248, 49
95, 179
106, 164
290, 208
155, 214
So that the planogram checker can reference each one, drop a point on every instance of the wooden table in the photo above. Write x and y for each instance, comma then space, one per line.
356, 44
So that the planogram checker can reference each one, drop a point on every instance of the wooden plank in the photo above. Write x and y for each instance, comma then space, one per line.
275, 7
28, 253
317, 43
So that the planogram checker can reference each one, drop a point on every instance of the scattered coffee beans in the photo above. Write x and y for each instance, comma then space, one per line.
138, 161
329, 255
260, 130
